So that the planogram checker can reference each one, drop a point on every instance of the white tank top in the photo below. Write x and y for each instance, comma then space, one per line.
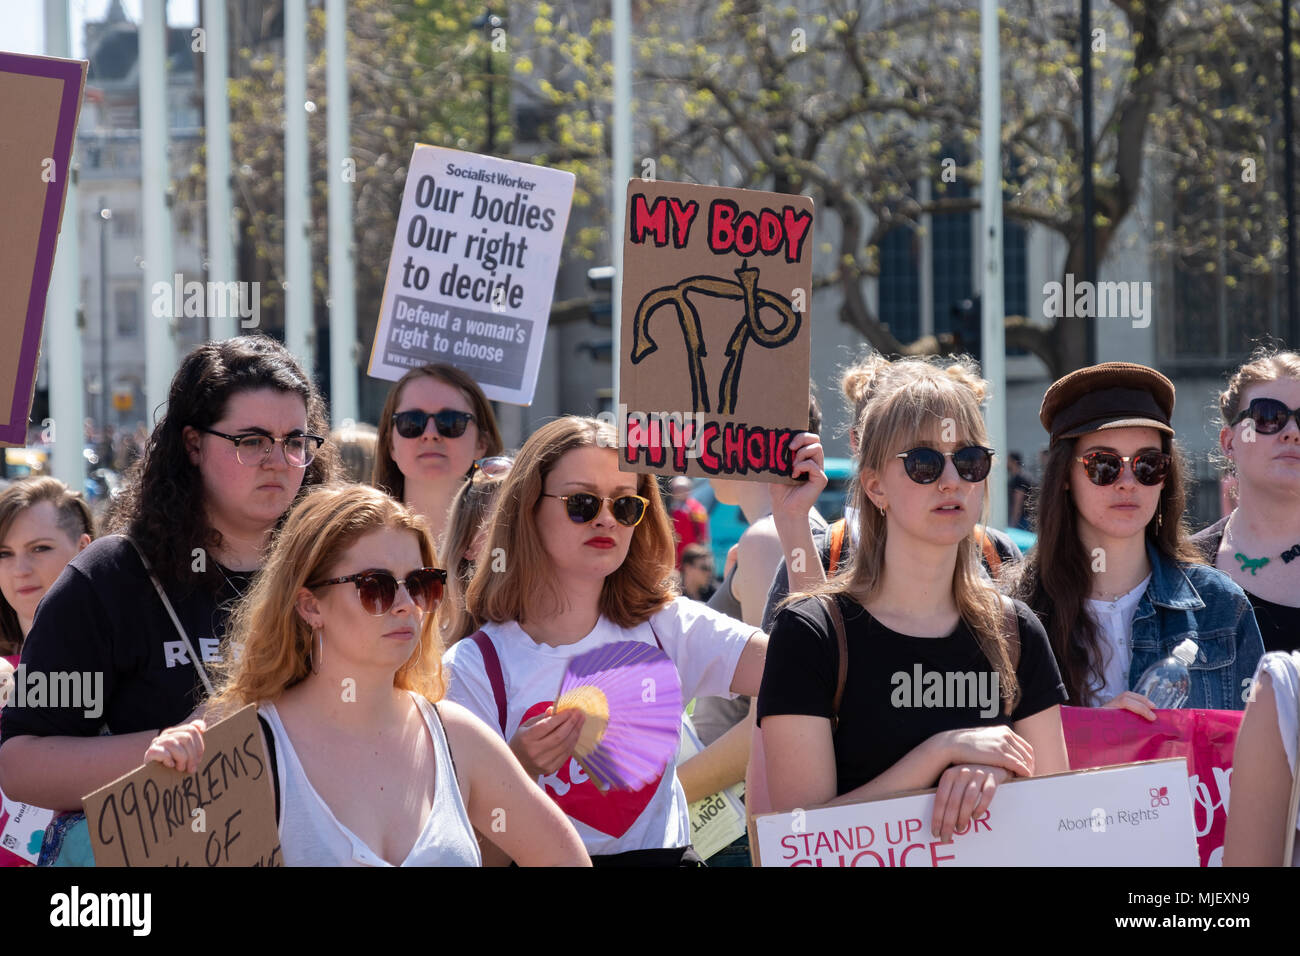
310, 834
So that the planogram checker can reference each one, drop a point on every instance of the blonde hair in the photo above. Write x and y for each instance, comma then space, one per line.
1266, 364
640, 586
904, 402
471, 510
268, 644
858, 383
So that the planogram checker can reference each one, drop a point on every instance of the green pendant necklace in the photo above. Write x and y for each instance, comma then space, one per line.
1254, 564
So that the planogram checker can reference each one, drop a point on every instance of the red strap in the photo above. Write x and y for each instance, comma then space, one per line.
492, 666
837, 544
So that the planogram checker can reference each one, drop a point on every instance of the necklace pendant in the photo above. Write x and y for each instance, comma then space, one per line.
1251, 564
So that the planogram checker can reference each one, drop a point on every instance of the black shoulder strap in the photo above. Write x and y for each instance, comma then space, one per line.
275, 771
1011, 634
842, 668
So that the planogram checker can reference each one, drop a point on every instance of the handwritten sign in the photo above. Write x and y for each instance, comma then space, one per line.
718, 819
40, 99
222, 815
472, 273
1134, 815
713, 376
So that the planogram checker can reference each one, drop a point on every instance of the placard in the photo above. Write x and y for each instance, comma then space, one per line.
718, 819
222, 815
715, 333
1132, 815
40, 99
472, 272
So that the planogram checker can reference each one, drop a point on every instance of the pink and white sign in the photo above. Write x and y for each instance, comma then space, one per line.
1099, 737
1136, 815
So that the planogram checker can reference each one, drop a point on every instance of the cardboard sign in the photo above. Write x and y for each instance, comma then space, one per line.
40, 99
223, 815
713, 375
718, 819
1102, 736
1134, 815
472, 273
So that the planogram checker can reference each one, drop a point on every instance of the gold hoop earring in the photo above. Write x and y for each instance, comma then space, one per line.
317, 657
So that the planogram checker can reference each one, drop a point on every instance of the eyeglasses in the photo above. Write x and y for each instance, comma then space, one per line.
1104, 467
378, 589
925, 465
498, 466
449, 422
253, 449
628, 510
1270, 415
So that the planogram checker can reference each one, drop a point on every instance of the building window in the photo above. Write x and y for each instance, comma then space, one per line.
124, 223
952, 257
900, 283
126, 310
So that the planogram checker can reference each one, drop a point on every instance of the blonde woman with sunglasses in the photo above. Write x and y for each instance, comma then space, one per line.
588, 560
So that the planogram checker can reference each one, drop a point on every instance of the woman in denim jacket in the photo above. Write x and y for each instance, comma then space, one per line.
1114, 577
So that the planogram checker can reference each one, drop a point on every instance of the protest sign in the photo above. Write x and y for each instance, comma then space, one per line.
40, 99
22, 831
715, 332
472, 273
1136, 815
221, 815
718, 819
1101, 736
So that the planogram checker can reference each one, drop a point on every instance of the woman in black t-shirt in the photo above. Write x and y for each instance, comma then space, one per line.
1258, 543
239, 439
935, 692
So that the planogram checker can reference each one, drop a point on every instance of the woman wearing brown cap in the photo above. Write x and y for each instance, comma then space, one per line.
1258, 544
1114, 577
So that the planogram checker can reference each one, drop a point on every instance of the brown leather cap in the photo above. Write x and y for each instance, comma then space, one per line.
1110, 395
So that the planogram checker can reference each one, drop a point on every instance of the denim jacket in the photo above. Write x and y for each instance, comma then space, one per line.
1200, 602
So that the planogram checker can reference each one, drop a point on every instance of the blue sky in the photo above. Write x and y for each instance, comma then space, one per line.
25, 21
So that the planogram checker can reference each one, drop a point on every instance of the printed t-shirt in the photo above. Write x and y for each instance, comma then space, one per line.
103, 619
705, 647
885, 711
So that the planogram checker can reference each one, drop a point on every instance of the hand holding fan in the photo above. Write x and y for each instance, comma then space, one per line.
632, 699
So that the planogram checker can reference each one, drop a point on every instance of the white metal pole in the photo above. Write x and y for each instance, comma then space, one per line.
622, 164
297, 183
155, 178
216, 108
992, 317
343, 303
62, 345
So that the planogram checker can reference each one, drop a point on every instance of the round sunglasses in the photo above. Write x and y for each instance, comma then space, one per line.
1269, 415
1104, 467
449, 422
498, 466
628, 510
378, 589
925, 465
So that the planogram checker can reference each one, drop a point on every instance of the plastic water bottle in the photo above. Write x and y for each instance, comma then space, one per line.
1168, 683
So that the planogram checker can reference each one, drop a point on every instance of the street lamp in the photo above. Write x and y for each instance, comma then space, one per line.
105, 217
487, 21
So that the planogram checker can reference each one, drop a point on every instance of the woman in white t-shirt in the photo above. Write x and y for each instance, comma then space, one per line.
337, 644
586, 557
1264, 767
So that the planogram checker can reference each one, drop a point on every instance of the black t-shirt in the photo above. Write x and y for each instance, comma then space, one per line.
104, 617
890, 704
1279, 624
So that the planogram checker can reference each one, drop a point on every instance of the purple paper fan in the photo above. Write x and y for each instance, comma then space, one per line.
634, 689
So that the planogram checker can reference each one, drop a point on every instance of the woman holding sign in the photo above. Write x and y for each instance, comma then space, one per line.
436, 423
841, 712
136, 618
337, 643
589, 554
1113, 577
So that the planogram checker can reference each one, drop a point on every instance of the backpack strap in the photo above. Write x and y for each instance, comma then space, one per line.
275, 770
837, 545
842, 668
992, 559
492, 666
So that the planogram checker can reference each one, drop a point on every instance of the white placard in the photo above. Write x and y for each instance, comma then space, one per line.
472, 272
1133, 815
